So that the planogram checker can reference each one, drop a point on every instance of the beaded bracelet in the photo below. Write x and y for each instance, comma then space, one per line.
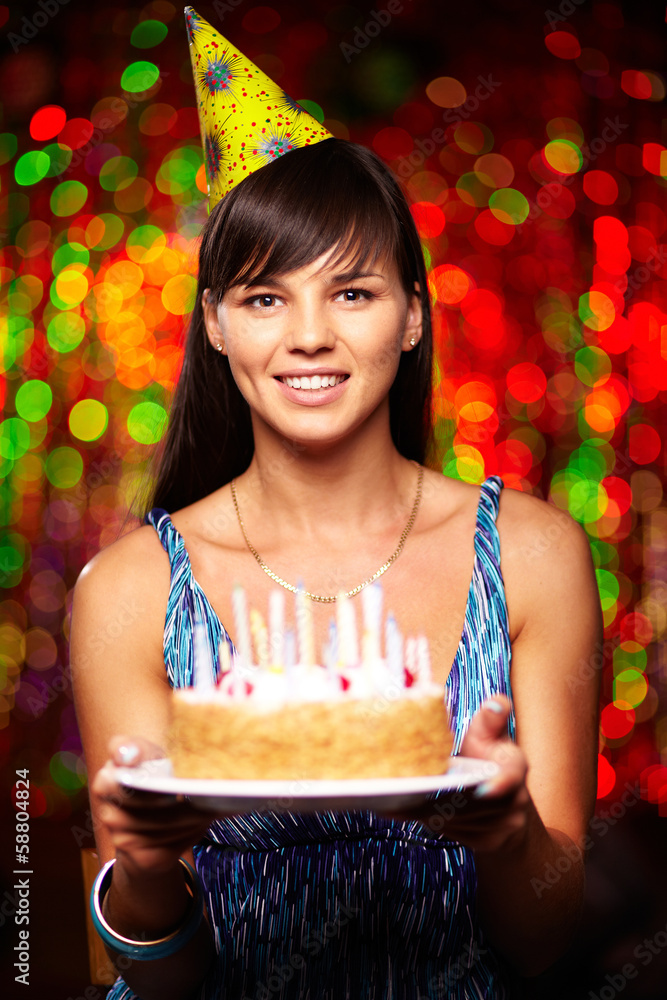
144, 951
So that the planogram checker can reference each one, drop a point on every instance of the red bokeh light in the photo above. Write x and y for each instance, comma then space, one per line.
47, 122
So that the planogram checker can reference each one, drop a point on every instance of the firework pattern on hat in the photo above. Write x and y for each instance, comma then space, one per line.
246, 119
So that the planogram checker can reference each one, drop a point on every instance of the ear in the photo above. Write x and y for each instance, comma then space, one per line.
216, 337
413, 321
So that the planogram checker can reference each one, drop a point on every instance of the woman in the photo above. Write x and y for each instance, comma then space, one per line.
312, 269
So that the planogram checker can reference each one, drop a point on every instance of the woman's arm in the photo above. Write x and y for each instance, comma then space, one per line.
528, 826
120, 686
531, 889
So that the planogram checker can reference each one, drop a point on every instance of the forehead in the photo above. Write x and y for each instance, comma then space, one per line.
332, 265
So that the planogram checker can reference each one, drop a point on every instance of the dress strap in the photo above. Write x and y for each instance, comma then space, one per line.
187, 606
482, 665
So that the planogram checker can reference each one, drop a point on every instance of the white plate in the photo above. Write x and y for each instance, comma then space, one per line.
305, 795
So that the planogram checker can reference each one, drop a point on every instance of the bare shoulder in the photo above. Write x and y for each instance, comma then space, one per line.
535, 532
134, 561
546, 563
122, 594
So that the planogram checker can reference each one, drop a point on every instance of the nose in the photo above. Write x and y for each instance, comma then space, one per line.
310, 329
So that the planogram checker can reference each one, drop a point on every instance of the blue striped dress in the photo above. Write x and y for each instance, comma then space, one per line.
348, 904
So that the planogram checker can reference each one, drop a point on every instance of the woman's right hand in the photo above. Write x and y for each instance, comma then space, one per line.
149, 831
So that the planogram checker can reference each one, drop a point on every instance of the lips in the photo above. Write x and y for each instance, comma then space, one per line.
311, 390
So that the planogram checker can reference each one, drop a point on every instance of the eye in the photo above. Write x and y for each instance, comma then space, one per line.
355, 295
262, 301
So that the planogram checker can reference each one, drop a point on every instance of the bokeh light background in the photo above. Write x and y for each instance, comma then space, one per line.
532, 145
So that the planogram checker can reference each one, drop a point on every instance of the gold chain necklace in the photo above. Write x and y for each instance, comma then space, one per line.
349, 593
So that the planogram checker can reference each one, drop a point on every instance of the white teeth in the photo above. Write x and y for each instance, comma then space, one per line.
315, 382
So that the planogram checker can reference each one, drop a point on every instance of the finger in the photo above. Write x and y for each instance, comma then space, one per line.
128, 751
511, 776
488, 726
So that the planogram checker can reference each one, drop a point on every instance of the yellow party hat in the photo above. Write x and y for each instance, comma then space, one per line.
246, 119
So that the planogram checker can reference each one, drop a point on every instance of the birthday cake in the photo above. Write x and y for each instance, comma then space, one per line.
271, 712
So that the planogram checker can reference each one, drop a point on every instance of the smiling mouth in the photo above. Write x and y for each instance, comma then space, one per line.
314, 382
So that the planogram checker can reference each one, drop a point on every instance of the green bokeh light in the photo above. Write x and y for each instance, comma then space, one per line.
68, 198
113, 231
60, 158
14, 438
64, 467
67, 771
147, 34
509, 205
14, 555
118, 173
31, 167
65, 332
313, 108
8, 147
139, 76
69, 253
608, 586
591, 364
33, 400
147, 422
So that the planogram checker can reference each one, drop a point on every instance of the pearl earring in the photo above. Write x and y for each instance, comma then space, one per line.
218, 346
412, 341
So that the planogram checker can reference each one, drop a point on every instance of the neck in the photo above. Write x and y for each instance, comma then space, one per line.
310, 493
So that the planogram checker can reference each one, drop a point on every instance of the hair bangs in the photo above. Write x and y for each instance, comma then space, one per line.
278, 221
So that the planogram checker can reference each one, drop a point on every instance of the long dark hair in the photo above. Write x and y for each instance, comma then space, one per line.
333, 196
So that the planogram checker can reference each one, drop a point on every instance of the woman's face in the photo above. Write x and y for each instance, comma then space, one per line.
315, 352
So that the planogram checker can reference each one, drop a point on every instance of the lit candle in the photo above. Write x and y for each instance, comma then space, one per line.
237, 688
224, 658
371, 601
348, 648
393, 641
240, 611
411, 657
333, 643
423, 661
202, 671
290, 653
276, 628
260, 638
304, 628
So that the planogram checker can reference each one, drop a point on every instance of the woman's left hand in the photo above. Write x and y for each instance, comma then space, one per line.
494, 815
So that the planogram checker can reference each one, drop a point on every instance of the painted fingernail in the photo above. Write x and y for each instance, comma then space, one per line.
494, 706
128, 753
482, 790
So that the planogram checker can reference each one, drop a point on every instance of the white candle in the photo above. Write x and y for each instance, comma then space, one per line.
411, 657
241, 624
224, 657
304, 628
276, 628
290, 653
202, 671
393, 642
348, 648
261, 638
333, 644
371, 601
423, 661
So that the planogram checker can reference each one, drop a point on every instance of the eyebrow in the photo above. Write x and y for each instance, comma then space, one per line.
336, 279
